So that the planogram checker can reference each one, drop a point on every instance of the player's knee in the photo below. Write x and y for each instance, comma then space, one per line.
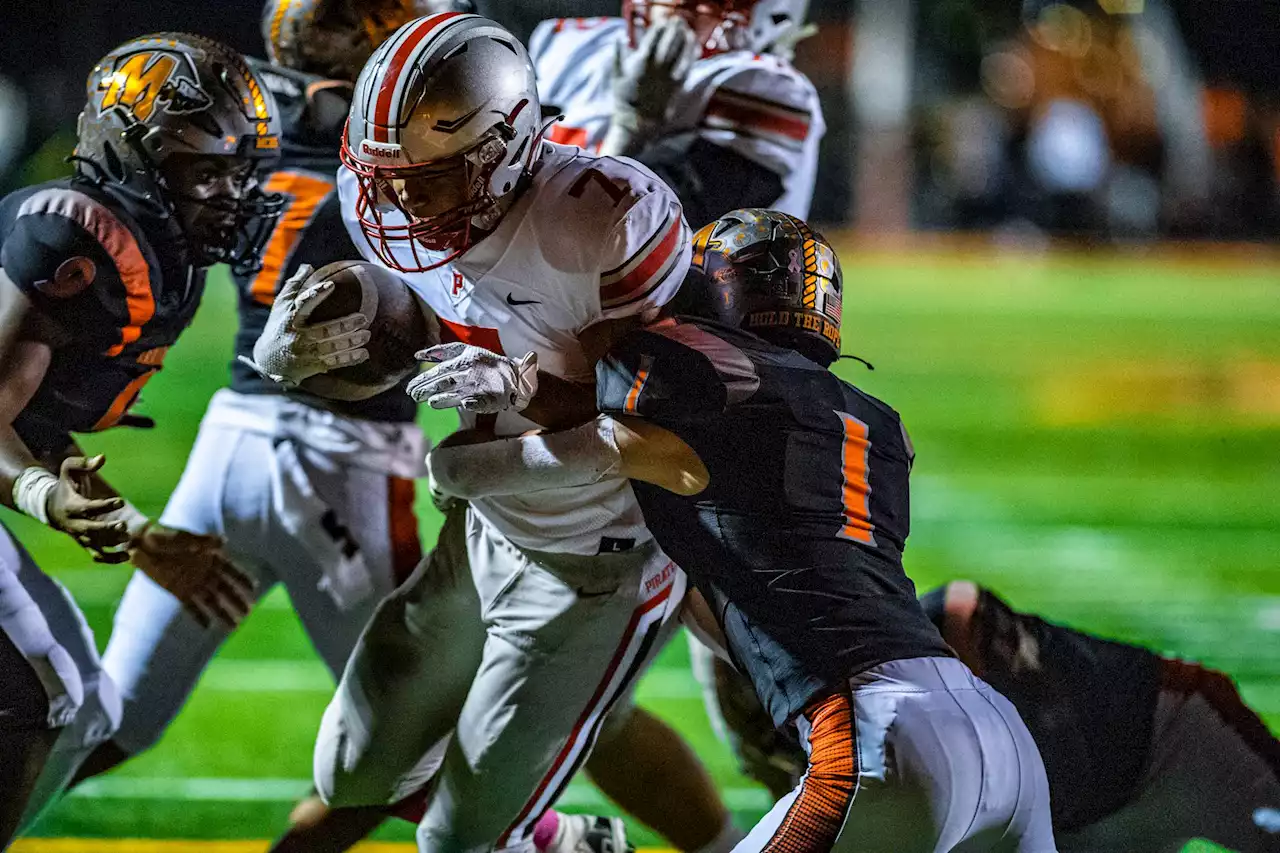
340, 778
26, 704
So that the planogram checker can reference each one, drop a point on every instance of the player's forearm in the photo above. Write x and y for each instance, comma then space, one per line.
586, 454
561, 404
15, 458
23, 364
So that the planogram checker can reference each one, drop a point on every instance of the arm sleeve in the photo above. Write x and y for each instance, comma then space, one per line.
580, 456
645, 254
71, 278
648, 375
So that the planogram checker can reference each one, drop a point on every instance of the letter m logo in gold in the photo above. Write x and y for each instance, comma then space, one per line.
136, 83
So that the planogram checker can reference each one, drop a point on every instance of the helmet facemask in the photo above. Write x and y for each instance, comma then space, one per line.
225, 215
445, 204
719, 26
444, 132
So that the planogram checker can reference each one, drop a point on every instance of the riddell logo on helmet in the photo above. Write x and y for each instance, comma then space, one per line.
382, 152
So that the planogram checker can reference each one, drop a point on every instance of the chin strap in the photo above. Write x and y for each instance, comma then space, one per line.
869, 365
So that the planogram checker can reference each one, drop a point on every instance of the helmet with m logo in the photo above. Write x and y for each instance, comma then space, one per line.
163, 97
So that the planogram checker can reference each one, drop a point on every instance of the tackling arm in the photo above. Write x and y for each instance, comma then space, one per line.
586, 454
60, 500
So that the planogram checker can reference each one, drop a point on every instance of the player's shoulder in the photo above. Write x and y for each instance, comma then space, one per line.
563, 36
77, 253
760, 76
589, 194
612, 218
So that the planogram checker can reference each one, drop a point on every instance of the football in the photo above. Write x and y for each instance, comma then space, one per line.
399, 325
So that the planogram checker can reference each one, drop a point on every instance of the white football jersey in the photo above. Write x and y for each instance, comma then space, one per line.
592, 238
758, 105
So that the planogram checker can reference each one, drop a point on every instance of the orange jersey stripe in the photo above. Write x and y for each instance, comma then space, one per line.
123, 401
305, 193
406, 546
818, 813
633, 396
857, 490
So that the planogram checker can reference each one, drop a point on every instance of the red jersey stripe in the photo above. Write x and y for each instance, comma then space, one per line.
755, 117
640, 276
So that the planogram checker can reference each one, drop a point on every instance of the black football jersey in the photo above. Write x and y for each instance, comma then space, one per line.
115, 289
797, 541
1088, 702
313, 111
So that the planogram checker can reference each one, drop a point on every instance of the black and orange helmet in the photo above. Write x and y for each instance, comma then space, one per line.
159, 96
334, 38
771, 274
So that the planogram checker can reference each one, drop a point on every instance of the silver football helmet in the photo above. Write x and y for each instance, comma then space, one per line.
776, 26
444, 128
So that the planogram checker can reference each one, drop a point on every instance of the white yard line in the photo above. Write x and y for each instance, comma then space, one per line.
240, 790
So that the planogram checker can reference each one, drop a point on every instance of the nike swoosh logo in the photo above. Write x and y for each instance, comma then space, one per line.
511, 301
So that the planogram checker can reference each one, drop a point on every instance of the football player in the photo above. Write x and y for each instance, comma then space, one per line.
314, 495
783, 492
99, 274
1144, 753
702, 92
534, 613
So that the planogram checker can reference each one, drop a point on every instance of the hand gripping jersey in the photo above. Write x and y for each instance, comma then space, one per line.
112, 288
312, 111
797, 541
756, 105
591, 238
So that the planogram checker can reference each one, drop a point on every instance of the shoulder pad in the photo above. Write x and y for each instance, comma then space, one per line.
567, 34
313, 109
81, 263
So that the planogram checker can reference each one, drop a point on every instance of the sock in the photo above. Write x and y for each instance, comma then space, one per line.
728, 838
544, 831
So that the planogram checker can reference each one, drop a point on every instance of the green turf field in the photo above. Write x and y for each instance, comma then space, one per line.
1099, 439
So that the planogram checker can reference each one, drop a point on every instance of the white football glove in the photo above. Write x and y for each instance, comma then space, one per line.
289, 350
646, 79
475, 379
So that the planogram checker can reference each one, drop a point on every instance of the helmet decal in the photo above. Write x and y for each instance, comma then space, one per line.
142, 81
770, 273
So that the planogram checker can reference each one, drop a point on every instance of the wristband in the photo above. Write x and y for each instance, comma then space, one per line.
31, 493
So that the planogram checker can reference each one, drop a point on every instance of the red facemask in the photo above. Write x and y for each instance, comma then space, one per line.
720, 25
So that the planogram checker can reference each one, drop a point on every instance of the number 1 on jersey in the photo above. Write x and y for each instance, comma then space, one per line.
856, 494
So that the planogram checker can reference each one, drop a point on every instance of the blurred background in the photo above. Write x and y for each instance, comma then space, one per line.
1058, 223
1114, 120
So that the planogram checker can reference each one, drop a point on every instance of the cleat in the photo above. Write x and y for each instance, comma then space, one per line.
589, 834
